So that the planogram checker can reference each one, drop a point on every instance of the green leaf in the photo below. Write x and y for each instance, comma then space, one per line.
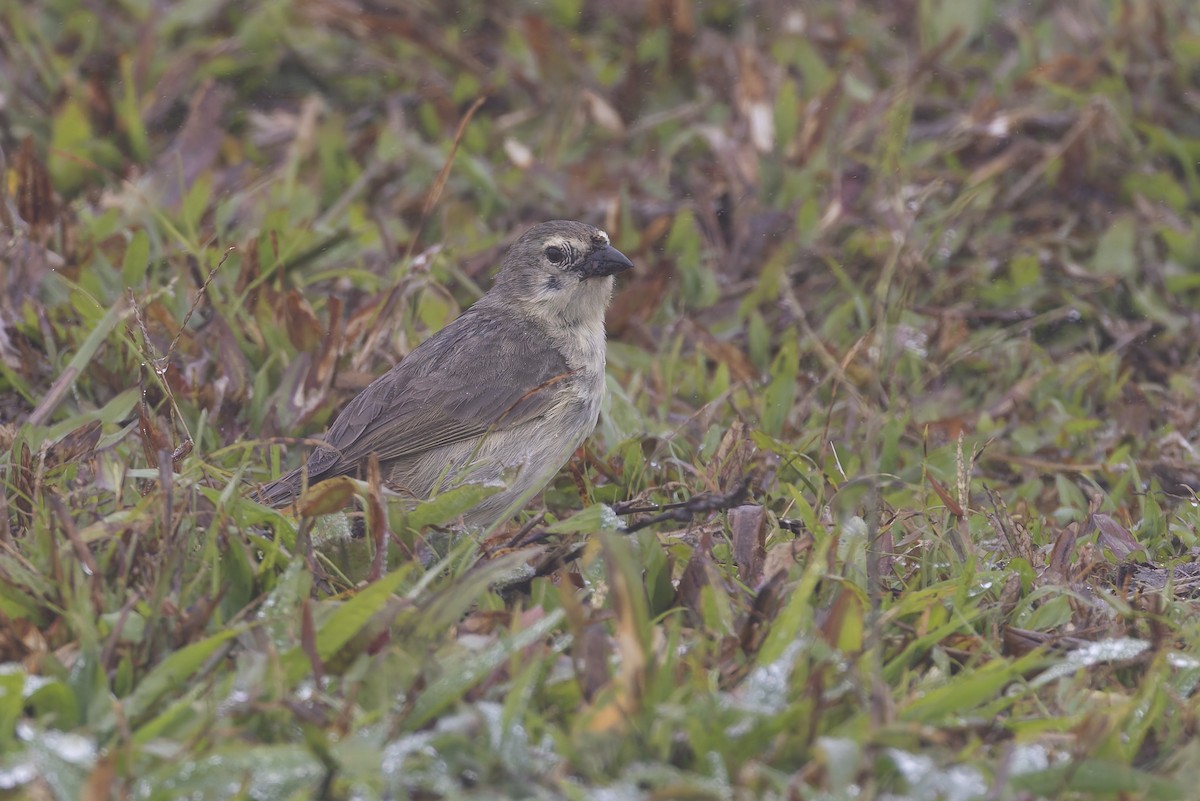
1115, 250
87, 351
195, 202
64, 760
1025, 270
131, 116
179, 718
110, 413
345, 622
236, 770
53, 702
1099, 778
787, 113
781, 392
137, 259
447, 506
456, 678
590, 520
170, 676
944, 18
70, 145
968, 690
12, 701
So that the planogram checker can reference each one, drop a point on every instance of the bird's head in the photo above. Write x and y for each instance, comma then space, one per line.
561, 270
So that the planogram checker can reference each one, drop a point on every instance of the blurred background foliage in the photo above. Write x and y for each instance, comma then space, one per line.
903, 410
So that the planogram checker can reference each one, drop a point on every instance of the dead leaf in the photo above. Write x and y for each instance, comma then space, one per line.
732, 456
328, 497
303, 327
698, 574
518, 153
1064, 550
376, 518
748, 530
99, 784
945, 496
75, 446
762, 611
34, 194
320, 374
783, 556
195, 147
591, 651
154, 441
1112, 535
754, 99
602, 113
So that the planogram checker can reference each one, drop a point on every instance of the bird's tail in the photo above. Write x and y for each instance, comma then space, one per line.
281, 491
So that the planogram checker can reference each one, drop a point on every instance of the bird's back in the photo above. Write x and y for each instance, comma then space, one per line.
424, 418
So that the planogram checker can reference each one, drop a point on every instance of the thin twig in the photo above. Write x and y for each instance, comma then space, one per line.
161, 363
435, 193
684, 511
81, 549
195, 303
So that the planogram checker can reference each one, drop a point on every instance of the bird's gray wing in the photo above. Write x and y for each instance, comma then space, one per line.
482, 372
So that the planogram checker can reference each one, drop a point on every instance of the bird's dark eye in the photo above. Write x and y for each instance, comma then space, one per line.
556, 255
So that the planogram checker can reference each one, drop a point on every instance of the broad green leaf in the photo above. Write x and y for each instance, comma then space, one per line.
447, 506
70, 147
137, 259
967, 691
344, 622
1097, 778
462, 674
258, 772
170, 675
1115, 251
780, 394
592, 519
12, 702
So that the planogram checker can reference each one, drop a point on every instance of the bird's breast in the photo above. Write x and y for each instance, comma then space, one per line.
583, 347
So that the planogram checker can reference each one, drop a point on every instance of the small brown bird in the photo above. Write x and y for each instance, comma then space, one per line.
502, 395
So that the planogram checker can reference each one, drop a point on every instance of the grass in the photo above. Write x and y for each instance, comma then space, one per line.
894, 490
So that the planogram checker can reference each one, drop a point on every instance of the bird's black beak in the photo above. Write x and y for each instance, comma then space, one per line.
605, 261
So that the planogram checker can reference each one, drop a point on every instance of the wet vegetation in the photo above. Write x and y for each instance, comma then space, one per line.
893, 494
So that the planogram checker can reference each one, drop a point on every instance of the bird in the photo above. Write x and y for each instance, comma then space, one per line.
504, 394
